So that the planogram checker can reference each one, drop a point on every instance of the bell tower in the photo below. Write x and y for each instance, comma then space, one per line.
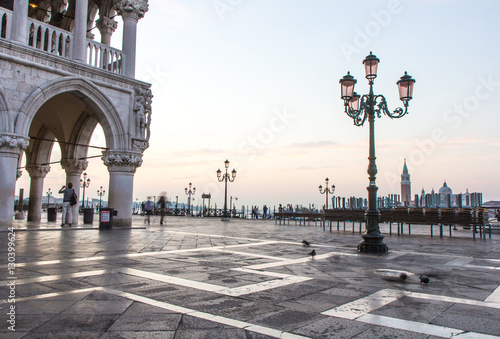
405, 186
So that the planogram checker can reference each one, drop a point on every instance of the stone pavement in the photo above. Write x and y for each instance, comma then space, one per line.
203, 278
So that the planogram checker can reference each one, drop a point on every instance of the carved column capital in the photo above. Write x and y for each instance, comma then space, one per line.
133, 9
106, 25
74, 166
11, 143
122, 161
37, 171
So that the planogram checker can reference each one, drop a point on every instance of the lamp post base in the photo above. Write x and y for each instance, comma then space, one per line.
226, 219
373, 243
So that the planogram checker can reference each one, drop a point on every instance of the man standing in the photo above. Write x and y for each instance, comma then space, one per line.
66, 207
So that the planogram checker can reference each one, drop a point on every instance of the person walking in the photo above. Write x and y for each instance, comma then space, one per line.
162, 202
149, 206
66, 206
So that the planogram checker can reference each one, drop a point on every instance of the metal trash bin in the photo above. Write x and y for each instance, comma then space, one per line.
88, 215
106, 218
51, 214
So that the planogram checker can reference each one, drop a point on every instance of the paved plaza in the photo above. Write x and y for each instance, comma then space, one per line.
203, 278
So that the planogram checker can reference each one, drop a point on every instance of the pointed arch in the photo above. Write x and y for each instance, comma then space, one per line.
90, 94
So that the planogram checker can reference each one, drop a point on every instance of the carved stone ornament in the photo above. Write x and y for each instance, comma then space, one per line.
19, 173
140, 145
37, 171
74, 166
142, 112
13, 143
134, 9
122, 161
106, 25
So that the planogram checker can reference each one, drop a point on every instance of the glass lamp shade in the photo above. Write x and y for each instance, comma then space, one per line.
347, 86
233, 173
88, 182
186, 190
333, 188
219, 173
405, 86
320, 188
371, 64
226, 163
326, 182
194, 190
354, 101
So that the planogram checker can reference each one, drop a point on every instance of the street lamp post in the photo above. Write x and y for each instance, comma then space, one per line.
100, 193
84, 184
360, 111
189, 193
49, 193
326, 190
225, 177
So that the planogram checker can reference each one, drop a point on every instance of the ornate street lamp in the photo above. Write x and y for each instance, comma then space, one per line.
189, 192
359, 111
49, 194
225, 177
326, 190
84, 183
100, 193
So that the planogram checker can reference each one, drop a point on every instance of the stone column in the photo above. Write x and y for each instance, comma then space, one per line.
74, 170
37, 174
106, 27
131, 11
80, 31
20, 21
11, 146
121, 166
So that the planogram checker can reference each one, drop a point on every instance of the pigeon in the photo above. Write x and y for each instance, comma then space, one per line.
306, 243
403, 276
423, 279
312, 253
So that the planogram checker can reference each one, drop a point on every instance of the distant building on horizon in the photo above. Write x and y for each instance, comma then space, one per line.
444, 197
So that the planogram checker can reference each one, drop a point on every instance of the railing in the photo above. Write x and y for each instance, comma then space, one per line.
48, 38
105, 57
54, 40
5, 23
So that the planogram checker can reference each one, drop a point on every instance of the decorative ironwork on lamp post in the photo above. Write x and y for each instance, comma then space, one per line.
189, 193
225, 177
100, 193
359, 111
49, 194
326, 190
85, 183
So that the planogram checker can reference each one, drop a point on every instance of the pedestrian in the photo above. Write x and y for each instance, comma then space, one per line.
497, 215
162, 202
264, 212
149, 205
66, 206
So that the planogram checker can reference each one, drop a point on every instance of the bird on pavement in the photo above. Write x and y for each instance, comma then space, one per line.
306, 243
403, 276
312, 254
423, 279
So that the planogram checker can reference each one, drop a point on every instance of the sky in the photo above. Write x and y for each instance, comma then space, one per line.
257, 83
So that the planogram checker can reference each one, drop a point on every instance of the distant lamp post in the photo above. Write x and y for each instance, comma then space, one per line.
326, 190
225, 177
100, 193
84, 183
189, 193
49, 194
359, 111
